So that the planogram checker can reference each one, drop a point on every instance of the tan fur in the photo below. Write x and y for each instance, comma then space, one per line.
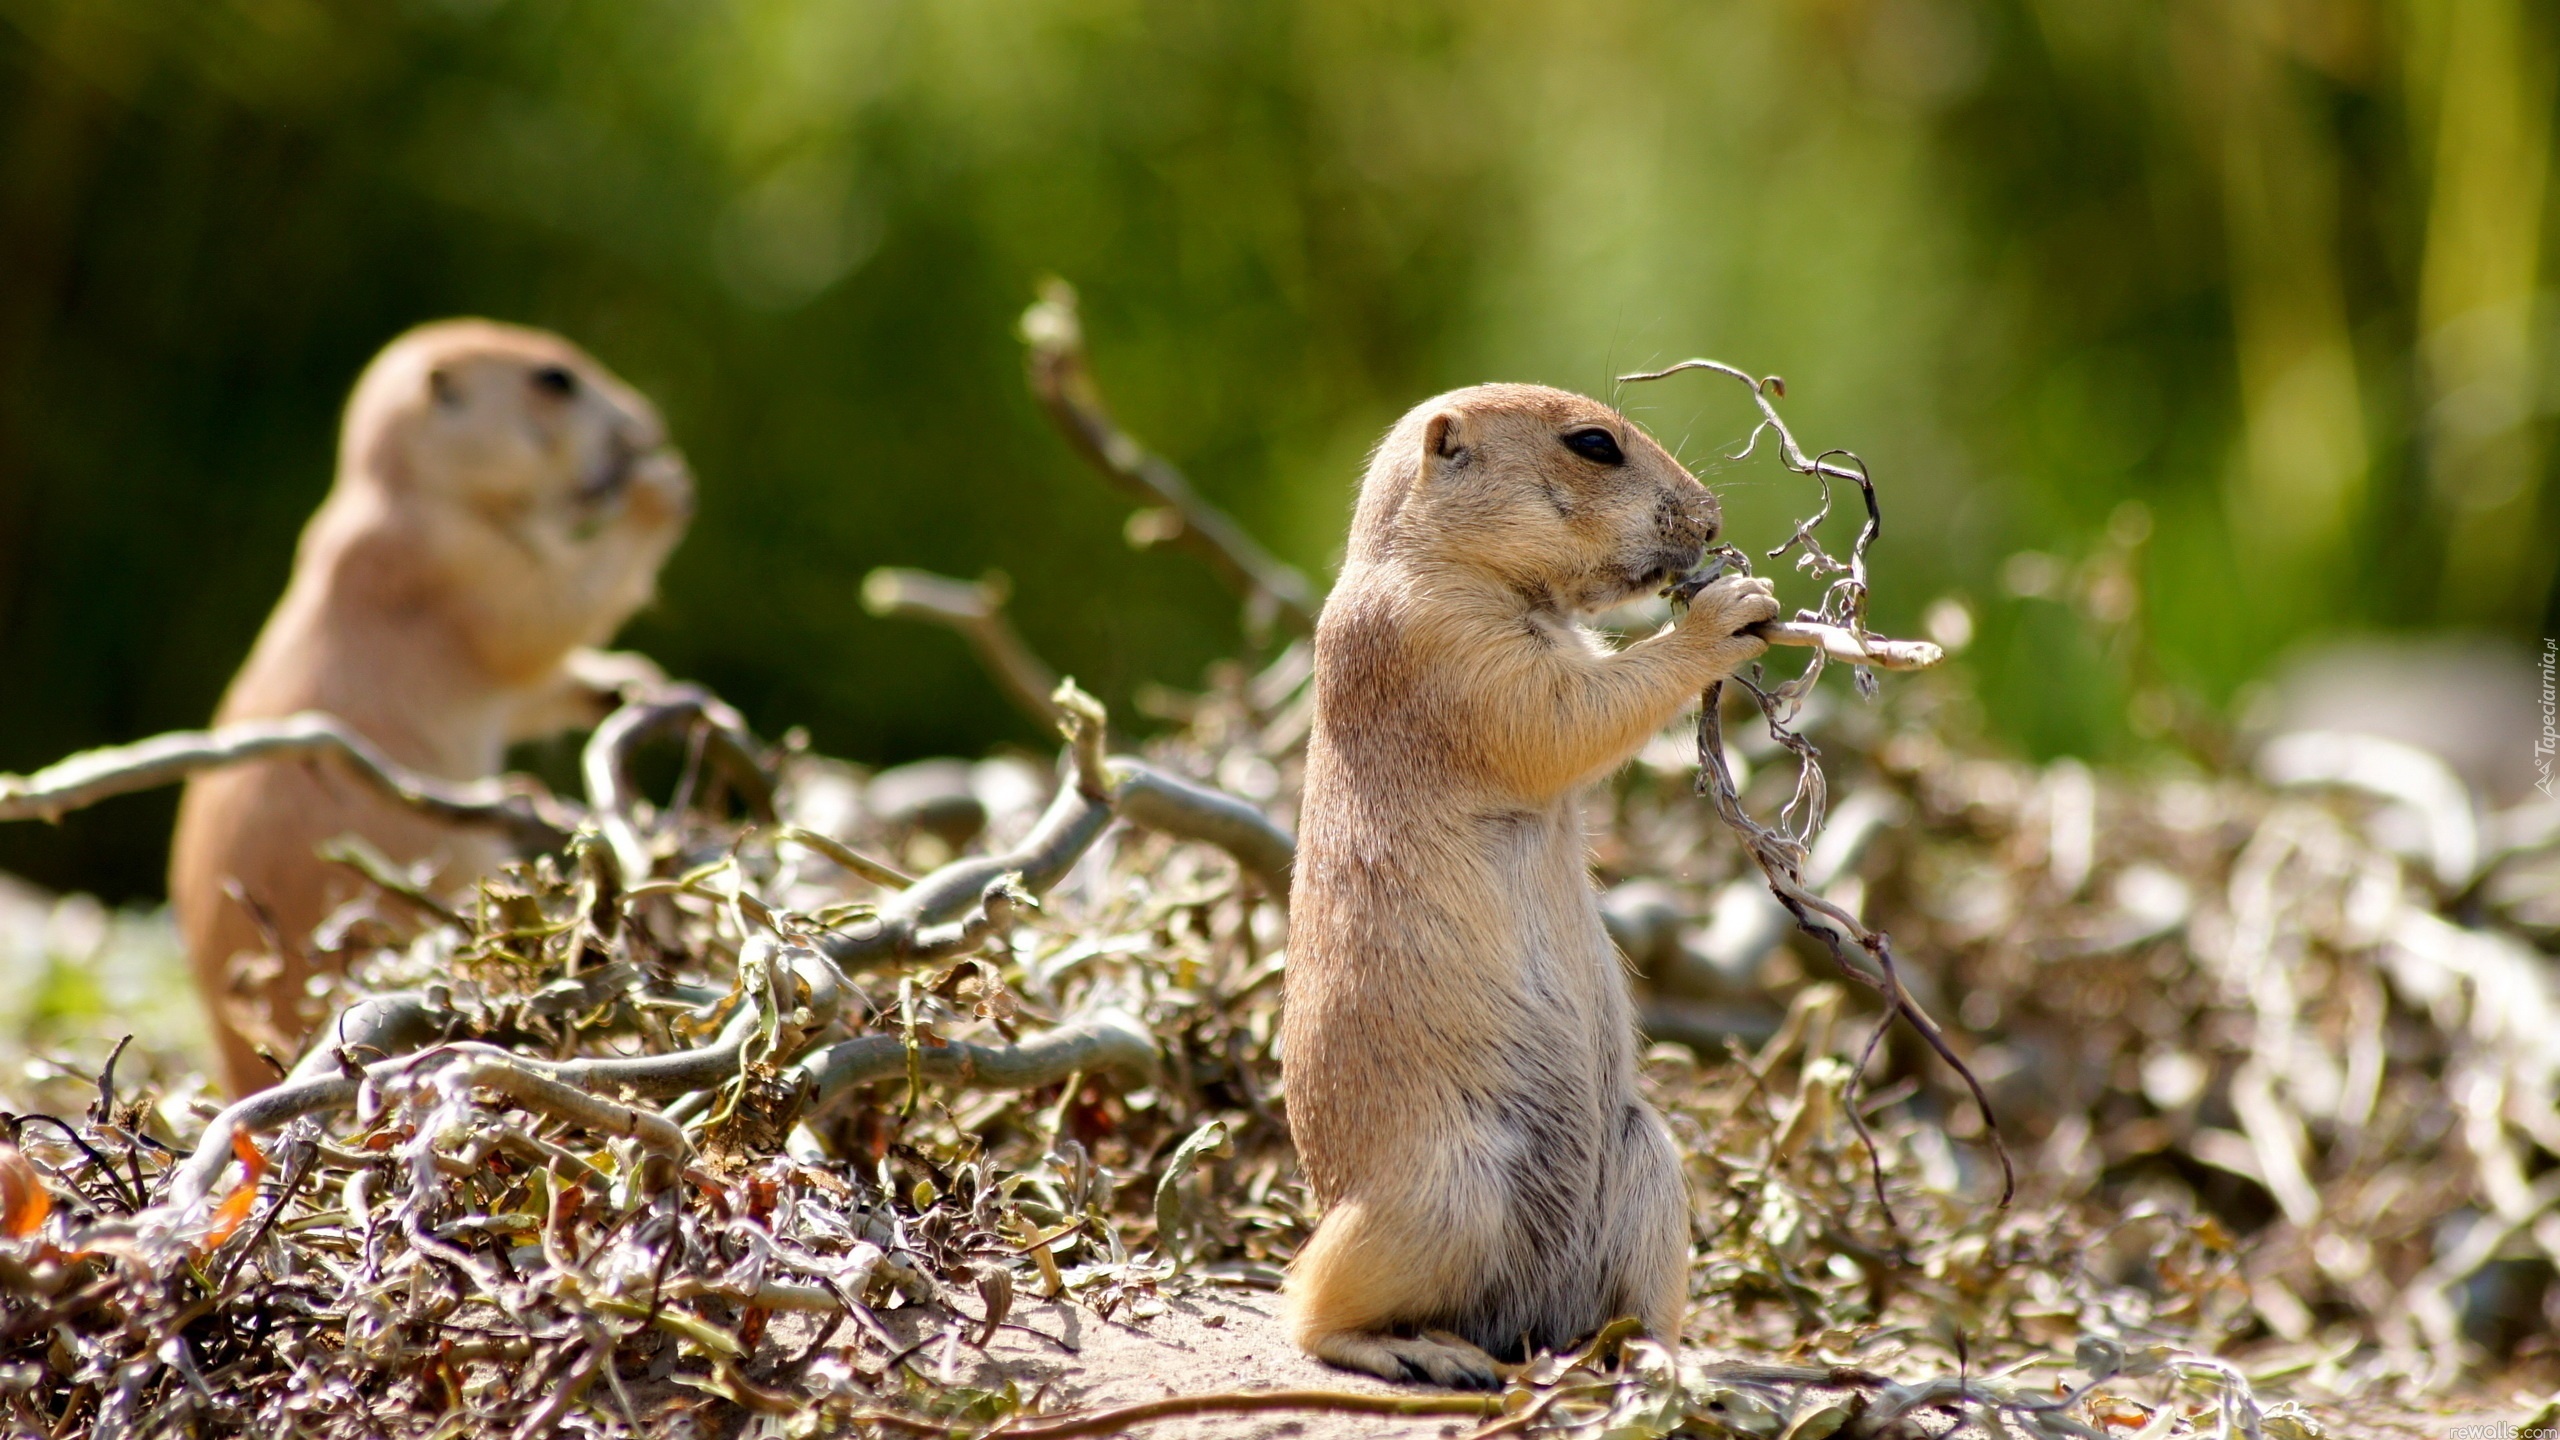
1458, 1041
486, 522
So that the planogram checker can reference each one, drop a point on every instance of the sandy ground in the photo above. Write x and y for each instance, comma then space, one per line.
1230, 1339
1211, 1341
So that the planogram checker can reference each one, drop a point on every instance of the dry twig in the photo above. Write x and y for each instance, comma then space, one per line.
976, 610
1837, 627
517, 806
1062, 378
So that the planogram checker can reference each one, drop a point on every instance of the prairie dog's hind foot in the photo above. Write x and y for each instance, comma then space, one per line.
1437, 1359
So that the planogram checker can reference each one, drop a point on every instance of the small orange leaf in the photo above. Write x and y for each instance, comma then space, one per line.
24, 1202
237, 1205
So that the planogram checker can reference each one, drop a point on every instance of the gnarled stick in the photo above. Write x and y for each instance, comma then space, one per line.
1147, 796
1838, 630
1106, 1041
528, 1087
606, 763
1781, 859
518, 805
644, 1076
903, 928
1849, 646
976, 610
913, 924
1062, 378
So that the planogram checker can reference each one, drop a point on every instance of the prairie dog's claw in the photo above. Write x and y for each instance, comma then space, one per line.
1446, 1361
1732, 605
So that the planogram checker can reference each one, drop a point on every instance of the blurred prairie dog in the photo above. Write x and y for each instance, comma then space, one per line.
501, 501
1458, 1040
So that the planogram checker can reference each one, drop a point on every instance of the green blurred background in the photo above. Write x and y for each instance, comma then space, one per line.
2273, 271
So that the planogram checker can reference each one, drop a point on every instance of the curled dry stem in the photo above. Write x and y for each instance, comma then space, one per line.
1844, 601
726, 744
1781, 859
1836, 630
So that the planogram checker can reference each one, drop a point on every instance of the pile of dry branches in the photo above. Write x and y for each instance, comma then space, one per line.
773, 1097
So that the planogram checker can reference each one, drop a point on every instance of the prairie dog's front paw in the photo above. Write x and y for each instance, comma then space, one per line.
1723, 610
584, 690
612, 674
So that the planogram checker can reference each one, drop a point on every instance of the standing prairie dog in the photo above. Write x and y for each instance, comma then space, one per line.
501, 501
1458, 1041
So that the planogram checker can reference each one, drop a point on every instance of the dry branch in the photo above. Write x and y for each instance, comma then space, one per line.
1837, 628
1121, 1418
918, 921
1062, 377
976, 610
725, 744
518, 806
1850, 647
1104, 1043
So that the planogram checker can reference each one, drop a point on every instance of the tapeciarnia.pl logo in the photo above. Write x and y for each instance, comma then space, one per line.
2549, 742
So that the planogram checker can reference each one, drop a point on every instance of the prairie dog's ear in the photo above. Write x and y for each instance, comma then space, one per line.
1444, 441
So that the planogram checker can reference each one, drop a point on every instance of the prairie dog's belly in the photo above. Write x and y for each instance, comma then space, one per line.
1557, 954
1555, 1031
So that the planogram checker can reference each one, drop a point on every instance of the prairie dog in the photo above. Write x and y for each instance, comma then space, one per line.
501, 501
1458, 1041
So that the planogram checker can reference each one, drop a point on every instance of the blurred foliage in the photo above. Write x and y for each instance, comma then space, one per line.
2235, 297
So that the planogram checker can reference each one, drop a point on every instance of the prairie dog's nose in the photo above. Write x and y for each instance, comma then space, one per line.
662, 472
1688, 517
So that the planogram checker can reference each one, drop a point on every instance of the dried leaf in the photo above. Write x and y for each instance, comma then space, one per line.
24, 1202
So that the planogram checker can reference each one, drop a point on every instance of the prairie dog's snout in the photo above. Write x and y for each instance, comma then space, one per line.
645, 462
1459, 1042
1689, 521
511, 421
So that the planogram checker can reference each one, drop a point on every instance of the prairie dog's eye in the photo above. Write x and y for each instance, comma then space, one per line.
1596, 445
555, 380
